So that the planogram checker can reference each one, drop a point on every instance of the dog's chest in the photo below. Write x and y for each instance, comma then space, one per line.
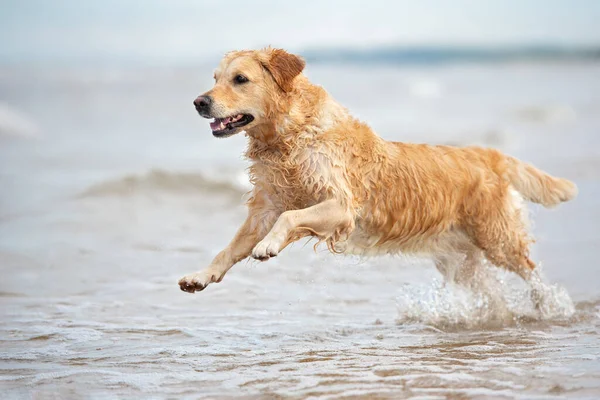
291, 181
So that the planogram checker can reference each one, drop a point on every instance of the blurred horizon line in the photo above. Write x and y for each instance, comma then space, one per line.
453, 54
389, 54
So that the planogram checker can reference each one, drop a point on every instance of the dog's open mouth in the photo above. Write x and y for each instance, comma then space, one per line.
225, 126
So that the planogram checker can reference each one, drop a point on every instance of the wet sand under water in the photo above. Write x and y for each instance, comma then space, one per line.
101, 216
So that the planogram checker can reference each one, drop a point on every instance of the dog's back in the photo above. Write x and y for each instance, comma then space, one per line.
439, 199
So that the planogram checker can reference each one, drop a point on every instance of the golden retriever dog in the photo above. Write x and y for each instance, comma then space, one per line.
319, 172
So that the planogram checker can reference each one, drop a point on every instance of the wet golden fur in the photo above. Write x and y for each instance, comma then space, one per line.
318, 171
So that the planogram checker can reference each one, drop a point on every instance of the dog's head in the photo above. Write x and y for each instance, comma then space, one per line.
248, 86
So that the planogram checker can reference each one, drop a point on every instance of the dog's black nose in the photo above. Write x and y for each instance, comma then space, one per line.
202, 102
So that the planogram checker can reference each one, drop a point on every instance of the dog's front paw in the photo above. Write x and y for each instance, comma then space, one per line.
266, 248
198, 281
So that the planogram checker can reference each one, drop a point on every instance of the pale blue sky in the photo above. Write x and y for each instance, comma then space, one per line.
184, 30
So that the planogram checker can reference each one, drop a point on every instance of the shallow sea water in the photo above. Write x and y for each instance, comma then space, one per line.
112, 188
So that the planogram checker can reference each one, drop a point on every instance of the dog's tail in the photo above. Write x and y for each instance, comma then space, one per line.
537, 186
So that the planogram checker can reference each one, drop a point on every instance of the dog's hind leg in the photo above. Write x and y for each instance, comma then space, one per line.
499, 229
505, 245
469, 273
460, 268
328, 221
504, 240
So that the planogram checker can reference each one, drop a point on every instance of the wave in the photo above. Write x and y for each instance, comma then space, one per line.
547, 114
159, 181
420, 55
15, 123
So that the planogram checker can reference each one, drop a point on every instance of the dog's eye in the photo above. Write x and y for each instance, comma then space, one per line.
240, 79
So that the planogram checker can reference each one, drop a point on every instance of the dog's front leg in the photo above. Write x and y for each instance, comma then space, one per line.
328, 221
256, 226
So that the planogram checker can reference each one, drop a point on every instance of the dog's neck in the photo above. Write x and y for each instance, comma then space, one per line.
307, 111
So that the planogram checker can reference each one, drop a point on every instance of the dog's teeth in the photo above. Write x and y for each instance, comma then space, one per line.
221, 123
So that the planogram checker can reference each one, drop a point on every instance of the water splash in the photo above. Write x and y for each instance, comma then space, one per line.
500, 300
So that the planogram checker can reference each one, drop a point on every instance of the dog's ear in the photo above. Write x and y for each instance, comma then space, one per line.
283, 66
